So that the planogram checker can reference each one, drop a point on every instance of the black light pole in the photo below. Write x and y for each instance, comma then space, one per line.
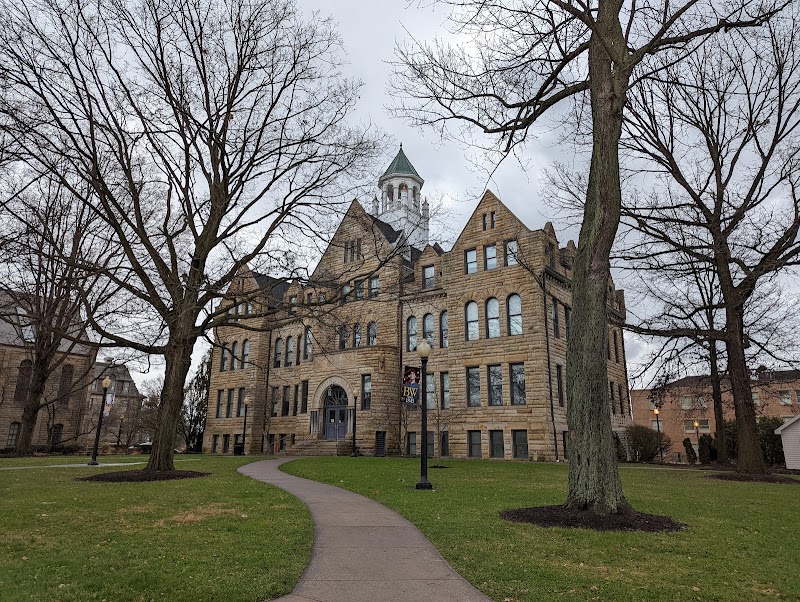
244, 428
106, 385
355, 410
424, 351
119, 432
656, 411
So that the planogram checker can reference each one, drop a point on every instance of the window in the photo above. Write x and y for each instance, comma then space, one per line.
289, 351
756, 399
223, 362
359, 285
483, 221
621, 400
428, 276
429, 444
473, 387
287, 391
444, 333
560, 384
411, 334
372, 334
492, 219
346, 250
309, 298
322, 298
514, 315
278, 353
471, 312
655, 425
293, 305
686, 403
444, 381
797, 395
567, 317
226, 443
785, 398
496, 444
495, 385
13, 434
608, 346
374, 286
517, 384
345, 293
427, 328
430, 392
551, 255
296, 399
220, 399
245, 353
519, 443
471, 261
473, 444
704, 426
303, 396
444, 445
356, 335
234, 355
240, 407
366, 391
274, 402
512, 252
613, 401
492, 318
229, 404
343, 336
489, 257
556, 327
411, 444
616, 347
214, 444
308, 347
65, 384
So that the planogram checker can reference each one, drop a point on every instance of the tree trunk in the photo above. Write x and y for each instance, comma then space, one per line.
716, 394
594, 482
178, 361
749, 457
30, 410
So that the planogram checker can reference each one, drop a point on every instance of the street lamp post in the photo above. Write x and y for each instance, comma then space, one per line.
424, 351
656, 411
355, 410
697, 435
244, 428
106, 385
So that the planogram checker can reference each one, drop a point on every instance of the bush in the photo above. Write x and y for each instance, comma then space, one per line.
706, 448
771, 444
691, 455
645, 443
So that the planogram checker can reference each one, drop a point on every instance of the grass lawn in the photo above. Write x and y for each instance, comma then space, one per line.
743, 540
222, 537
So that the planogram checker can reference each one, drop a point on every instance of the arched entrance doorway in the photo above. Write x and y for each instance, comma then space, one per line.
335, 413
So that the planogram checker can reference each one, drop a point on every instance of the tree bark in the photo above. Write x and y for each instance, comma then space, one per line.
716, 395
749, 456
594, 482
30, 410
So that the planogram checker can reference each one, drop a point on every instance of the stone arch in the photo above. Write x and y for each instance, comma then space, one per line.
319, 393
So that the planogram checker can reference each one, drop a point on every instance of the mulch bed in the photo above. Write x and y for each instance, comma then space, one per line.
755, 478
558, 516
141, 476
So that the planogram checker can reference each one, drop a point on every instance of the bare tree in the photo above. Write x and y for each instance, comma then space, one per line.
731, 192
195, 406
205, 134
525, 59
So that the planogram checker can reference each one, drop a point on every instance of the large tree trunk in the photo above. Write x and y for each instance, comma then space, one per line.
594, 482
749, 457
30, 410
178, 358
716, 395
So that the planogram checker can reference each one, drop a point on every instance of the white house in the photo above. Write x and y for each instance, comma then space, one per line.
790, 435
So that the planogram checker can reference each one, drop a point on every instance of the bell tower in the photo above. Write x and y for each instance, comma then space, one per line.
399, 203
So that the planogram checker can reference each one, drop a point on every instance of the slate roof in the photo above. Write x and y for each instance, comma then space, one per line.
275, 287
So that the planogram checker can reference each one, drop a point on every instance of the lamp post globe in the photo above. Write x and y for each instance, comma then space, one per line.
106, 384
424, 352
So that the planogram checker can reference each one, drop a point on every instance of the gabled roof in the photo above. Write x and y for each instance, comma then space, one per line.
390, 233
400, 166
274, 287
789, 422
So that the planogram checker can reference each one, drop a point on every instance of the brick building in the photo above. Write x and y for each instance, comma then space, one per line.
688, 400
495, 309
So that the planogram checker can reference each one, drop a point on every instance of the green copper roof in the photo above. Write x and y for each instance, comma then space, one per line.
400, 165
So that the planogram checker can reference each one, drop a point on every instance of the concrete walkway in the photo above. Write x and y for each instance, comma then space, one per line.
362, 550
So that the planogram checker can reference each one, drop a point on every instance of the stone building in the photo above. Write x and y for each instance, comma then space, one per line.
302, 361
776, 394
123, 413
60, 422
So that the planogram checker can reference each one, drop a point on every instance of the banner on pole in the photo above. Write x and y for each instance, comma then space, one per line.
411, 376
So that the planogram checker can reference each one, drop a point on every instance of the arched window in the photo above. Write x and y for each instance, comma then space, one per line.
344, 334
427, 328
234, 355
411, 334
308, 349
356, 335
223, 361
492, 318
372, 334
55, 434
444, 332
245, 353
390, 194
278, 353
471, 312
13, 434
289, 351
65, 386
514, 314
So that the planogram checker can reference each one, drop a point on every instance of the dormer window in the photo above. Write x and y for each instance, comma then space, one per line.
428, 276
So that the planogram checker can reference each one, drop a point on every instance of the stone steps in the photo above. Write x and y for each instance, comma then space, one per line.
318, 448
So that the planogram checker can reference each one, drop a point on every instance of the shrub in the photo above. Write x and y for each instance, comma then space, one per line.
691, 455
771, 444
645, 443
706, 449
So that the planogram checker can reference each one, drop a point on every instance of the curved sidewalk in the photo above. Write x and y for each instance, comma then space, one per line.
362, 550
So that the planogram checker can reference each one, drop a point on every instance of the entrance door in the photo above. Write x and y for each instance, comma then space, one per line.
335, 413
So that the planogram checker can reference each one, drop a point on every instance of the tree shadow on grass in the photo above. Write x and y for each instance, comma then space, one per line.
141, 476
559, 516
